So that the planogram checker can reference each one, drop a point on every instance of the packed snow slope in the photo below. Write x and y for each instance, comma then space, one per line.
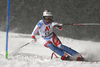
36, 55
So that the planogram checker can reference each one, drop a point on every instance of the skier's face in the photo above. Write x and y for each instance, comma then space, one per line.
48, 19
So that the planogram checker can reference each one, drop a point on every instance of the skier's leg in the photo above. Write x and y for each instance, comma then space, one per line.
47, 43
56, 50
58, 43
68, 50
72, 52
55, 40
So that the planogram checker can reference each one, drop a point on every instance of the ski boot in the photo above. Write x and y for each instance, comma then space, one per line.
65, 57
80, 59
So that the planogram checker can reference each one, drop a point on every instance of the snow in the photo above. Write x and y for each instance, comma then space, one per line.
36, 55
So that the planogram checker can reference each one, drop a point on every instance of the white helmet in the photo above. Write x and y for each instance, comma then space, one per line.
47, 13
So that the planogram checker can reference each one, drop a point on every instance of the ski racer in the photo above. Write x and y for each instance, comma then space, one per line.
49, 38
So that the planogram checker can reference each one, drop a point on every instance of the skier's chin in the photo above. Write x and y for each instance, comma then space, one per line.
48, 21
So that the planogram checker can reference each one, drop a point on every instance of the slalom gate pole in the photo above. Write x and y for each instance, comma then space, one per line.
81, 24
7, 29
54, 55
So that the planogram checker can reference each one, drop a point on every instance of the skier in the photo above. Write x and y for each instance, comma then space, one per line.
49, 38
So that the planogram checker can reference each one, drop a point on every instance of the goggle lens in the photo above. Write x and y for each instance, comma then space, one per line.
48, 18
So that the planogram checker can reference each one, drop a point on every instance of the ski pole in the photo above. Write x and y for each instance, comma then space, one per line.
22, 46
81, 24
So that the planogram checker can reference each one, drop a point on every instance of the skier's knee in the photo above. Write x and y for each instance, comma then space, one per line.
47, 44
59, 46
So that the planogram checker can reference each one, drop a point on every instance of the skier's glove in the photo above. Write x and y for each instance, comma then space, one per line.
33, 39
55, 24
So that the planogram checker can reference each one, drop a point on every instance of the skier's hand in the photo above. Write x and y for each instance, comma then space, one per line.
33, 39
55, 24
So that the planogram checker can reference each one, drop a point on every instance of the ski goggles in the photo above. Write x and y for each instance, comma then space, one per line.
48, 17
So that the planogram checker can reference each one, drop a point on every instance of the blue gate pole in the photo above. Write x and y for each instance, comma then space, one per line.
7, 28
